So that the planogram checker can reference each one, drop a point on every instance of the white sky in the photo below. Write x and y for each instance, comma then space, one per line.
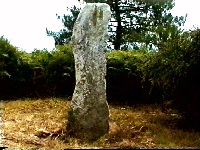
24, 22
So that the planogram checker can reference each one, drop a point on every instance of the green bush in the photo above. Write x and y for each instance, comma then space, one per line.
8, 67
61, 72
43, 73
123, 77
174, 72
37, 74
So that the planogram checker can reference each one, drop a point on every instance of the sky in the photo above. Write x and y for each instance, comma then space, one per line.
24, 22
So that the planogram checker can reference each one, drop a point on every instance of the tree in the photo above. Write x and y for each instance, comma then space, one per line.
141, 21
138, 21
64, 35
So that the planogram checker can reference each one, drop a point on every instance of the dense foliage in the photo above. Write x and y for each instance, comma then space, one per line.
174, 72
37, 74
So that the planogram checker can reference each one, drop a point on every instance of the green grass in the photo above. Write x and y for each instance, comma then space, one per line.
41, 124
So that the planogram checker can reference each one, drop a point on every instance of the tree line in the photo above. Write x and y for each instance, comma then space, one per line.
133, 23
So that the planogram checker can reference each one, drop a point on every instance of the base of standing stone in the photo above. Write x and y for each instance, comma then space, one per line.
77, 129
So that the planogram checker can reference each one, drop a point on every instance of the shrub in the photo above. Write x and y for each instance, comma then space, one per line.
8, 67
123, 77
174, 70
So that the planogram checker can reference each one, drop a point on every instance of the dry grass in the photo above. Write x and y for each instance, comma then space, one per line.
41, 124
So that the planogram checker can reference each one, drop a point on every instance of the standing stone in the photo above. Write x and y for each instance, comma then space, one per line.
89, 114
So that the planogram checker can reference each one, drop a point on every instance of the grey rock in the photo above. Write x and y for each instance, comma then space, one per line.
89, 114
